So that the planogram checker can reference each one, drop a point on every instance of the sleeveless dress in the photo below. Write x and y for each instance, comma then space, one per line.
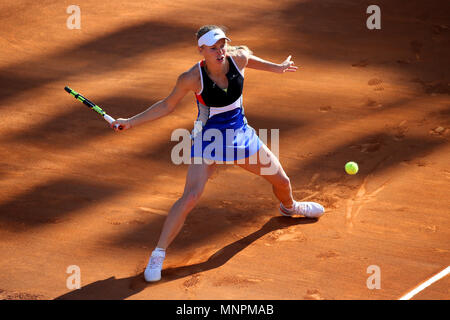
221, 131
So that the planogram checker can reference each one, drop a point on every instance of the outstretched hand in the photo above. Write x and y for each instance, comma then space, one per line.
288, 66
123, 123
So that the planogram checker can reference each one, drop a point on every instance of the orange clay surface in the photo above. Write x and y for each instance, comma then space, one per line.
74, 192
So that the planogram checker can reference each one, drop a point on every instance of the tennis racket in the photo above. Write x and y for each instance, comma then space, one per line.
93, 106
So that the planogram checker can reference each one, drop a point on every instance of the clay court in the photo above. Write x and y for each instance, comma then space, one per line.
74, 192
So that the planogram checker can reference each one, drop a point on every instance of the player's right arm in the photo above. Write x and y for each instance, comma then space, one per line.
185, 83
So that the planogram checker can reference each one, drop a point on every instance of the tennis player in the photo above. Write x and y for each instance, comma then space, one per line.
217, 82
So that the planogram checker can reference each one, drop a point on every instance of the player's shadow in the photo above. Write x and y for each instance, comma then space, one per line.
118, 289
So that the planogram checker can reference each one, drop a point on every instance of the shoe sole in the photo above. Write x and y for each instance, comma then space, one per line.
290, 215
155, 280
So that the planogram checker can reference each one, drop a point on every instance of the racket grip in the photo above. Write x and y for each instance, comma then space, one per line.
109, 118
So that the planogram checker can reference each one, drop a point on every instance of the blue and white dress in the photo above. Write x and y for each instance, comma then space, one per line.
221, 132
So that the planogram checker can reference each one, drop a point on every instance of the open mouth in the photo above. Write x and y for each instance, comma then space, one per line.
221, 58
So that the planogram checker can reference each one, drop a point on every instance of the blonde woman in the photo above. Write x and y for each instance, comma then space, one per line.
217, 82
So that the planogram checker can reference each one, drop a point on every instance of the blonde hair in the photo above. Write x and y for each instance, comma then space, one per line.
231, 49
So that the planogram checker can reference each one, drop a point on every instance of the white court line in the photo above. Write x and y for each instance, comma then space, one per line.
425, 284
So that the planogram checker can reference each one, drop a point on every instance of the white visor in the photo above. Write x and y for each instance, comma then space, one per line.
212, 37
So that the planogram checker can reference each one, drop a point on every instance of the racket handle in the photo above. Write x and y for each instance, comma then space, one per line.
111, 120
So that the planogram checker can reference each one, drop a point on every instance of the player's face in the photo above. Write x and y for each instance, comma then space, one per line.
215, 53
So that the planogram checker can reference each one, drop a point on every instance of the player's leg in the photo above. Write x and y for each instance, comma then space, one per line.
197, 176
267, 165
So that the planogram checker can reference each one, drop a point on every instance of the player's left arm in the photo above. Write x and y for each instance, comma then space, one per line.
255, 62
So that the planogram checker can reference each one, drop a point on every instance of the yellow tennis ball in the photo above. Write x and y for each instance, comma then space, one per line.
351, 167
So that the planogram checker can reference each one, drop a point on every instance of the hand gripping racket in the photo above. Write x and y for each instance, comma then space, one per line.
93, 106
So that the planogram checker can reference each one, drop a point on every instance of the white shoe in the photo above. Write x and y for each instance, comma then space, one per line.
307, 209
153, 271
